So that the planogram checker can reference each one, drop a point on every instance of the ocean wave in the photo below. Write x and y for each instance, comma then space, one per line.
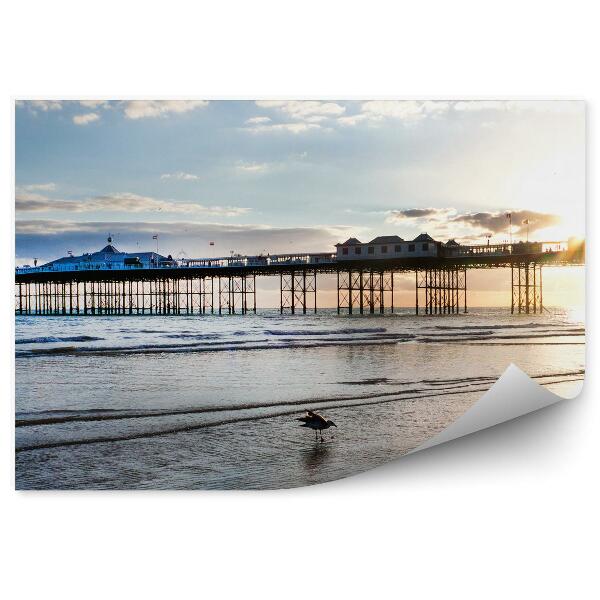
492, 338
501, 326
424, 386
54, 339
225, 346
343, 331
281, 409
195, 336
409, 393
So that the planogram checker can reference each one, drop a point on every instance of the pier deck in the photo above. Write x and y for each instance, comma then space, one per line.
228, 285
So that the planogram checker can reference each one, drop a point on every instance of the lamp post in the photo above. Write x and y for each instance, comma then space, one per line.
526, 222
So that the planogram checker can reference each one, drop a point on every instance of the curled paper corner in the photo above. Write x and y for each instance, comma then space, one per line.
513, 395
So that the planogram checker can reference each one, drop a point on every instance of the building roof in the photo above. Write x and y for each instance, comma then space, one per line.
424, 237
452, 242
110, 248
350, 242
386, 239
107, 254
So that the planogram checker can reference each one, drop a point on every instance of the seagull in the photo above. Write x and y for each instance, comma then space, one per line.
317, 422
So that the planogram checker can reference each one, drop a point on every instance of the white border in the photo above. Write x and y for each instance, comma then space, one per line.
507, 513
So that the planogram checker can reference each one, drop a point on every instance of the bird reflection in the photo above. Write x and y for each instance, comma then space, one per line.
315, 457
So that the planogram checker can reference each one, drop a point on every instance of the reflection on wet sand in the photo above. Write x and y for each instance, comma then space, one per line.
316, 456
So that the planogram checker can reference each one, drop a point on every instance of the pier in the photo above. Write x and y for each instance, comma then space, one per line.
110, 282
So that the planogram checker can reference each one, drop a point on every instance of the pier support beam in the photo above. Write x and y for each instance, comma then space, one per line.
237, 294
364, 291
445, 290
526, 288
298, 291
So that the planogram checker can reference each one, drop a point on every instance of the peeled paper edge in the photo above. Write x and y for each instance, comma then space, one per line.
513, 395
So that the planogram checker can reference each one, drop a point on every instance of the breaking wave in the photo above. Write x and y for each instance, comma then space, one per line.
344, 331
239, 413
53, 339
224, 346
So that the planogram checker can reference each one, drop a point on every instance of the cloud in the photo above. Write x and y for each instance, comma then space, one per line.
479, 105
497, 222
251, 167
51, 238
470, 227
285, 128
94, 104
540, 106
305, 115
352, 120
411, 111
413, 214
257, 120
142, 109
304, 109
131, 109
375, 111
86, 118
180, 175
121, 202
407, 110
34, 187
41, 105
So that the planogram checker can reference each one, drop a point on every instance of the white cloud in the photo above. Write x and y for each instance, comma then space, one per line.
86, 118
94, 104
141, 109
180, 175
251, 167
375, 111
121, 202
407, 110
257, 120
435, 107
284, 127
479, 105
43, 105
305, 115
352, 120
540, 106
304, 109
42, 187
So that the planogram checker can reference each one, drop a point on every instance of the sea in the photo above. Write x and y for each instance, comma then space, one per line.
212, 402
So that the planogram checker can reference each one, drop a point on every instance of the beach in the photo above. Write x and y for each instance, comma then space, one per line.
209, 402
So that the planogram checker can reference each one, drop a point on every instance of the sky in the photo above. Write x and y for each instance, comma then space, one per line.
282, 176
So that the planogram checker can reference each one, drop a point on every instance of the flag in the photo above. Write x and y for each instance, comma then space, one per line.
211, 243
526, 222
155, 237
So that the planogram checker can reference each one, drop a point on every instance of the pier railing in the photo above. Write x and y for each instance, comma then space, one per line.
213, 263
